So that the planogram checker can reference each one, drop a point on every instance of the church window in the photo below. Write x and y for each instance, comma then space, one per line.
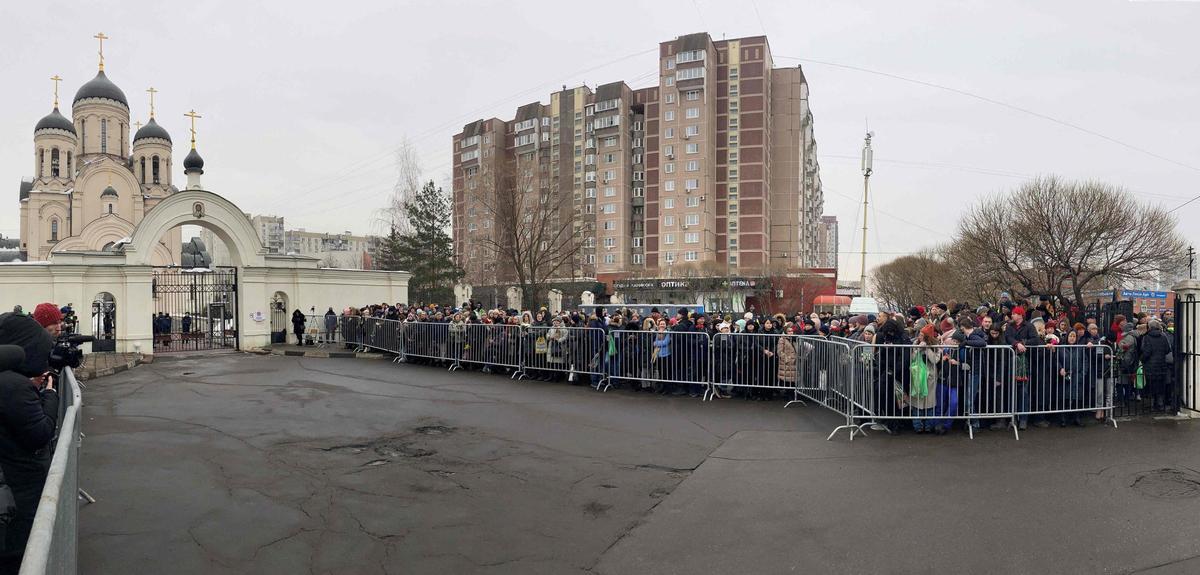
54, 229
110, 208
103, 135
41, 162
143, 169
70, 171
54, 163
154, 168
83, 134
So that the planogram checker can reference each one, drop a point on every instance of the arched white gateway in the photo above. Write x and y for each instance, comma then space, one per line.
200, 208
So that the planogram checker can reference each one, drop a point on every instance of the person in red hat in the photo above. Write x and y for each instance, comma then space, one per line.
1021, 335
49, 317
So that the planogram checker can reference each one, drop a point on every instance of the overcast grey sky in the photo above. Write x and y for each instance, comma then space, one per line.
302, 101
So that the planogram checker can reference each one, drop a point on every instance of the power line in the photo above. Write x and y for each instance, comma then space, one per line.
1002, 104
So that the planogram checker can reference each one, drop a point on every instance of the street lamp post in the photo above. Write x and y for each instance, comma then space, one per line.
867, 155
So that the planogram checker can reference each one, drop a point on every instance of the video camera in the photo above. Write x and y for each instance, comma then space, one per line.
66, 352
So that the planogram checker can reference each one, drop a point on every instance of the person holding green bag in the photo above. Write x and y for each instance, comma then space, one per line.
922, 390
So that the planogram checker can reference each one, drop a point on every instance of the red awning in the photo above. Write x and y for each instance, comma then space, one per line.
831, 300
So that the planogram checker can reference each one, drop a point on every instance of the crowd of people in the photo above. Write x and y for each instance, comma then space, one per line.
953, 361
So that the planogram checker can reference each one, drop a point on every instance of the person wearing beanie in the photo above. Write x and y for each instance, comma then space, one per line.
29, 408
922, 395
50, 317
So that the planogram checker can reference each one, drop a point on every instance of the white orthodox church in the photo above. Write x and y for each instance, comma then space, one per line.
90, 189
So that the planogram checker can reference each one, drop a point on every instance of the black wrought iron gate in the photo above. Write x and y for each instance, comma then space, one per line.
194, 309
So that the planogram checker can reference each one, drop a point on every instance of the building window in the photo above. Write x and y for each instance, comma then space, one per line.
639, 176
590, 192
692, 219
637, 142
54, 229
669, 203
637, 259
669, 150
70, 170
691, 238
670, 80
693, 165
692, 148
689, 256
733, 89
41, 162
733, 209
669, 239
669, 133
733, 192
610, 142
610, 225
610, 242
668, 221
733, 244
733, 106
610, 158
733, 140
154, 168
670, 98
693, 95
692, 202
637, 158
689, 73
733, 157
610, 258
637, 241
733, 173
692, 184
670, 257
693, 130
609, 191
143, 163
669, 168
692, 113
670, 63
669, 115
639, 192
669, 186
110, 208
689, 56
733, 227
589, 208
733, 123
103, 135
610, 208
610, 175
589, 159
54, 163
733, 72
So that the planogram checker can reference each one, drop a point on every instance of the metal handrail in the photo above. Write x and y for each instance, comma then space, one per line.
53, 541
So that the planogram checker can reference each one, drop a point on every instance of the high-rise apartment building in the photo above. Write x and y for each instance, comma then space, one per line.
713, 171
827, 242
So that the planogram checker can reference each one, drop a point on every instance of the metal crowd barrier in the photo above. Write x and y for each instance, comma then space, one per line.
664, 359
929, 387
494, 345
579, 351
1065, 380
932, 386
53, 541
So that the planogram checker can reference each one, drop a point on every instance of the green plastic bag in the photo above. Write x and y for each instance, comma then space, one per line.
919, 373
1140, 381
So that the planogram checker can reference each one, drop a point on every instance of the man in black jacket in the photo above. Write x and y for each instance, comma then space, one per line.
1155, 349
1022, 336
28, 418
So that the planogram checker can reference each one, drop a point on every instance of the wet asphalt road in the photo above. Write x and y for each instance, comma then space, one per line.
264, 464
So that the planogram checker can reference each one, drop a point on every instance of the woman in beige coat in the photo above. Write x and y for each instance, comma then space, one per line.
785, 352
923, 399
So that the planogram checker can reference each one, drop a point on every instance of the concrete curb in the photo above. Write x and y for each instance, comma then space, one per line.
91, 374
323, 354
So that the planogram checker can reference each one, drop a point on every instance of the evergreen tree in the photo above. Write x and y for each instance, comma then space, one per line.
387, 254
427, 251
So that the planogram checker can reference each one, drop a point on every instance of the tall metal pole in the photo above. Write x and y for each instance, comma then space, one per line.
866, 170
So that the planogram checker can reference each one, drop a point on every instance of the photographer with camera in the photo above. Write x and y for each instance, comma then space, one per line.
28, 420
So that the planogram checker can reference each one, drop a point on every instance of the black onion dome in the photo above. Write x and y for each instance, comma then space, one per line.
109, 191
193, 161
54, 121
101, 87
152, 130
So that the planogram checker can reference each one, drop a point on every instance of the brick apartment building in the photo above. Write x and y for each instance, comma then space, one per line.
710, 173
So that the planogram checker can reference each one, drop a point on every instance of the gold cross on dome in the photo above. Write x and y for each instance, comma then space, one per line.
137, 126
56, 79
101, 37
152, 92
193, 115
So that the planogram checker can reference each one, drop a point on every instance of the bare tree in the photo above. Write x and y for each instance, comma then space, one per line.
535, 235
1062, 238
409, 179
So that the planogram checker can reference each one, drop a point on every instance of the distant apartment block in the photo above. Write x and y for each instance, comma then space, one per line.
827, 242
711, 171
